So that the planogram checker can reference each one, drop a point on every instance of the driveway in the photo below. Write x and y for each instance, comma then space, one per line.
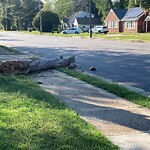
125, 62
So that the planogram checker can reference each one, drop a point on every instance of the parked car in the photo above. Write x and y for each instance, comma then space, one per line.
85, 28
72, 31
100, 29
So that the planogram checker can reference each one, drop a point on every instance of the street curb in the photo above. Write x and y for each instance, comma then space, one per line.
129, 87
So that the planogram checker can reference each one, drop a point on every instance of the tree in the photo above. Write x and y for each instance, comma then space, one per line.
19, 12
94, 10
48, 6
103, 7
24, 67
119, 4
139, 3
145, 4
132, 3
50, 21
64, 8
29, 9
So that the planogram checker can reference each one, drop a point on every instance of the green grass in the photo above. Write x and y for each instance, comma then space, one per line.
32, 119
83, 35
110, 87
134, 37
10, 49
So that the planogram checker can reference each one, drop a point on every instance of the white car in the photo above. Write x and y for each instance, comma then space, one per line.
72, 31
100, 29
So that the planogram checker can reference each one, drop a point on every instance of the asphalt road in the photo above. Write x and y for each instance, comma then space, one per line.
126, 62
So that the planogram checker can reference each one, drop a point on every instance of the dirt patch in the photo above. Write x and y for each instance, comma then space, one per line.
5, 52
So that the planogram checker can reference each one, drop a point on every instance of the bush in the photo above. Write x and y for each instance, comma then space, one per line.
50, 21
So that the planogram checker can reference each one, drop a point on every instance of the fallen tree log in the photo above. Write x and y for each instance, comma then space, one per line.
24, 67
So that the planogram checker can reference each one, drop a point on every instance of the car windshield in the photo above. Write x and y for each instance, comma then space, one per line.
99, 27
72, 29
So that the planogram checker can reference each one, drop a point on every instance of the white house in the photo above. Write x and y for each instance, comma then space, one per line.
81, 19
84, 23
82, 14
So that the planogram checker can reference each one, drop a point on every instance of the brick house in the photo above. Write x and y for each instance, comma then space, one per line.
147, 24
133, 20
113, 20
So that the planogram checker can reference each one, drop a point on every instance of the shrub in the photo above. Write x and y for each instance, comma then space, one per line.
50, 21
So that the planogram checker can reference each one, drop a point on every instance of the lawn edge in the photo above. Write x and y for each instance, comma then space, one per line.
10, 49
122, 91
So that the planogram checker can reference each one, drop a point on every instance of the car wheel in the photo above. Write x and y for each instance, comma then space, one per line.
64, 32
76, 32
99, 31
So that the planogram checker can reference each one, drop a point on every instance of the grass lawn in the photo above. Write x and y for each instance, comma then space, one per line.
32, 119
134, 37
110, 87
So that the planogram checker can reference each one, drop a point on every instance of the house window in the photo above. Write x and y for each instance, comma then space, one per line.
114, 24
130, 24
108, 24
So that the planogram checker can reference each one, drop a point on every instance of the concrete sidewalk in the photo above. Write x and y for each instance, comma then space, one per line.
124, 123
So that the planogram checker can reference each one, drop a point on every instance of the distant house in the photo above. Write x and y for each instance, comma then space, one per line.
80, 19
133, 20
113, 20
64, 23
84, 23
82, 14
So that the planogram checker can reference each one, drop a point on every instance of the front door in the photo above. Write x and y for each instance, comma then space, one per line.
121, 26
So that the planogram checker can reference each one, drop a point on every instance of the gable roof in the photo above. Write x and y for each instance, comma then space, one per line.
147, 18
85, 21
81, 14
133, 14
64, 20
120, 13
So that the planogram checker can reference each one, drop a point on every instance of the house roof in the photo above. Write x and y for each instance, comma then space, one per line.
81, 14
85, 21
147, 18
120, 13
64, 20
133, 14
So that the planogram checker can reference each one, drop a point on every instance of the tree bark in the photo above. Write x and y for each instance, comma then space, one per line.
24, 67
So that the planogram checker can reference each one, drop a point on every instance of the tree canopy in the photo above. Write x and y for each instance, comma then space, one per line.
19, 14
103, 7
50, 21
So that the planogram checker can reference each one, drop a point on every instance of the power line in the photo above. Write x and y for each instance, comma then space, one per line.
27, 5
28, 13
23, 8
24, 15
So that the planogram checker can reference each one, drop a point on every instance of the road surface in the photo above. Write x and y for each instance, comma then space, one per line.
126, 62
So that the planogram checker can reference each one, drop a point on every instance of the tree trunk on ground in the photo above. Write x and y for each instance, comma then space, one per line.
24, 67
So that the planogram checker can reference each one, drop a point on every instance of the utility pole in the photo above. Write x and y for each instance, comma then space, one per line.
40, 16
90, 19
6, 16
